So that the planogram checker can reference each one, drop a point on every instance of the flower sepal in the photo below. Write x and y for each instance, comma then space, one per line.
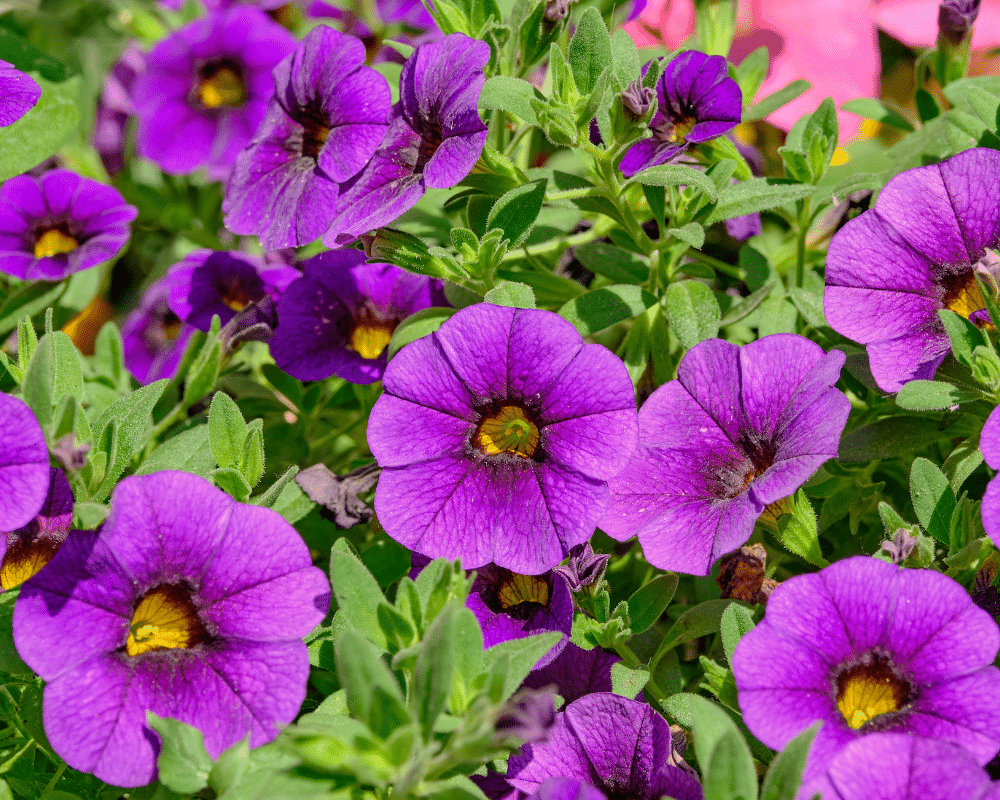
792, 521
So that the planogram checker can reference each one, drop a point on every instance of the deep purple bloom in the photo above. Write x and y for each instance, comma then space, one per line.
59, 223
25, 551
18, 94
989, 443
697, 101
24, 464
328, 116
895, 766
891, 269
511, 606
115, 107
740, 428
866, 646
528, 715
497, 434
186, 604
434, 138
339, 317
154, 337
617, 745
222, 282
206, 89
575, 672
567, 789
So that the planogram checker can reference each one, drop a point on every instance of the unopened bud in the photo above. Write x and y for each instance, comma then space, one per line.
637, 100
955, 18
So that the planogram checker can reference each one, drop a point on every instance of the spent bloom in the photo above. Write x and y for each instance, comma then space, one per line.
740, 428
891, 269
864, 646
28, 549
338, 318
186, 604
18, 94
696, 101
206, 88
434, 138
59, 223
497, 435
24, 464
327, 117
154, 337
617, 745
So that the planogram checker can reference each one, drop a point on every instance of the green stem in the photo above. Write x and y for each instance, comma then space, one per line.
800, 243
557, 244
573, 194
55, 779
717, 265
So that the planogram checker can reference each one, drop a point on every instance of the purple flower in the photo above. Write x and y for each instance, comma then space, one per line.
511, 606
891, 269
955, 18
18, 94
896, 766
617, 745
528, 715
497, 434
866, 646
575, 672
115, 107
585, 567
989, 443
59, 223
434, 138
567, 789
186, 604
154, 337
24, 464
206, 89
740, 428
25, 551
329, 115
339, 317
209, 282
697, 101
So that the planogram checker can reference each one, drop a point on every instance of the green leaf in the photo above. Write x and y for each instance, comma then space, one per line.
691, 234
625, 61
785, 773
589, 51
722, 149
870, 108
204, 369
809, 304
416, 326
650, 601
373, 693
435, 665
933, 499
521, 656
613, 262
727, 766
515, 213
188, 451
232, 482
933, 395
736, 620
357, 592
964, 336
10, 661
692, 312
42, 131
511, 294
962, 462
226, 430
677, 175
510, 95
251, 464
982, 103
797, 528
54, 372
755, 195
750, 74
601, 308
626, 681
183, 763
746, 306
27, 301
699, 621
776, 100
28, 58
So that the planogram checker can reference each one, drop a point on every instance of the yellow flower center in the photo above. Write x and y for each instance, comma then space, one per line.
235, 296
164, 618
516, 589
963, 296
869, 690
681, 129
221, 85
53, 242
509, 430
24, 559
368, 338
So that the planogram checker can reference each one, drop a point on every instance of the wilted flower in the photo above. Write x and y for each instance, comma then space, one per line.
890, 270
865, 646
18, 94
186, 604
60, 223
497, 434
24, 471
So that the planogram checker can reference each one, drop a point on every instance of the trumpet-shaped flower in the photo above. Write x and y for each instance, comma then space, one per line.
24, 464
28, 549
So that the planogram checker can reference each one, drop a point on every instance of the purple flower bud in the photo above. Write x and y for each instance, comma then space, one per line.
901, 545
637, 100
585, 567
955, 18
556, 10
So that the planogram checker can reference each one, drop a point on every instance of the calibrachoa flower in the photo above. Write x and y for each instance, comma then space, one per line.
866, 646
339, 317
18, 94
28, 549
59, 223
115, 107
575, 672
206, 89
24, 464
209, 282
896, 766
154, 337
697, 101
617, 745
186, 604
497, 434
891, 269
512, 606
328, 116
989, 443
434, 138
740, 428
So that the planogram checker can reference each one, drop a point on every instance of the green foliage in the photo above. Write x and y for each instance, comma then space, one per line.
39, 133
